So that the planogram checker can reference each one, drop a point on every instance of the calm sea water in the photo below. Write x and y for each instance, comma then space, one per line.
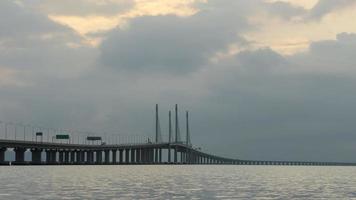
177, 182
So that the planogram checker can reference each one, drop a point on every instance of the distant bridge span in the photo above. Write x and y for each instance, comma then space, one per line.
159, 152
47, 153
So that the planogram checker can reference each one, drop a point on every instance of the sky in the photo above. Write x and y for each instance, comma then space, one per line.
262, 79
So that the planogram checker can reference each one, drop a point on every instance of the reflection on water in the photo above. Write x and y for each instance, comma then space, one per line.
177, 182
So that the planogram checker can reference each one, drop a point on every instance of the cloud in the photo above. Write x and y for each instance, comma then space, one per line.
31, 42
253, 103
14, 20
262, 104
324, 7
170, 43
80, 7
284, 9
330, 56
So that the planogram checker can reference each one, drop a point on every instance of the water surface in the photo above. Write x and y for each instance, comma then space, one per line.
177, 182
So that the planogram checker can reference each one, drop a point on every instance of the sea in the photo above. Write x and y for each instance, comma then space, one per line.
177, 182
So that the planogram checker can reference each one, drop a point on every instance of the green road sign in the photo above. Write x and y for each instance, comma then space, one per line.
93, 138
39, 134
62, 137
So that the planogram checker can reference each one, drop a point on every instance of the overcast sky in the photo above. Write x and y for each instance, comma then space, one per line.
263, 79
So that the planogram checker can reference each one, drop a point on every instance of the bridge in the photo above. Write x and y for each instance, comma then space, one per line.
158, 152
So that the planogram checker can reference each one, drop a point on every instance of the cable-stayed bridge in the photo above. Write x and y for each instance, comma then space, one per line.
92, 149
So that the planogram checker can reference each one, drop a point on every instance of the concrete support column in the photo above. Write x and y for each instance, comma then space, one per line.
48, 156
107, 156
147, 156
181, 157
90, 157
19, 155
155, 155
53, 156
99, 157
114, 161
66, 156
187, 157
72, 156
127, 156
151, 156
36, 156
138, 155
121, 155
144, 155
87, 157
133, 153
143, 158
2, 154
79, 159
61, 157
82, 156
175, 155
169, 154
160, 155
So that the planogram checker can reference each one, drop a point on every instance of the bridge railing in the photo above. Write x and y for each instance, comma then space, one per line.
27, 132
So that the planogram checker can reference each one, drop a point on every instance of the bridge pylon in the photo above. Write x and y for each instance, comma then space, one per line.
177, 131
188, 141
158, 127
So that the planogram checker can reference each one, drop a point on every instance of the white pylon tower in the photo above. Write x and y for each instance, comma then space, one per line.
177, 131
158, 127
188, 141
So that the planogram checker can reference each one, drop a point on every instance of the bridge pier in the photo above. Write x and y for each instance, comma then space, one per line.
66, 153
138, 156
53, 155
133, 153
99, 157
36, 156
181, 157
160, 155
60, 157
90, 157
169, 154
107, 156
72, 157
114, 160
48, 156
155, 155
121, 156
19, 155
2, 154
82, 157
145, 155
127, 156
175, 155
77, 157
